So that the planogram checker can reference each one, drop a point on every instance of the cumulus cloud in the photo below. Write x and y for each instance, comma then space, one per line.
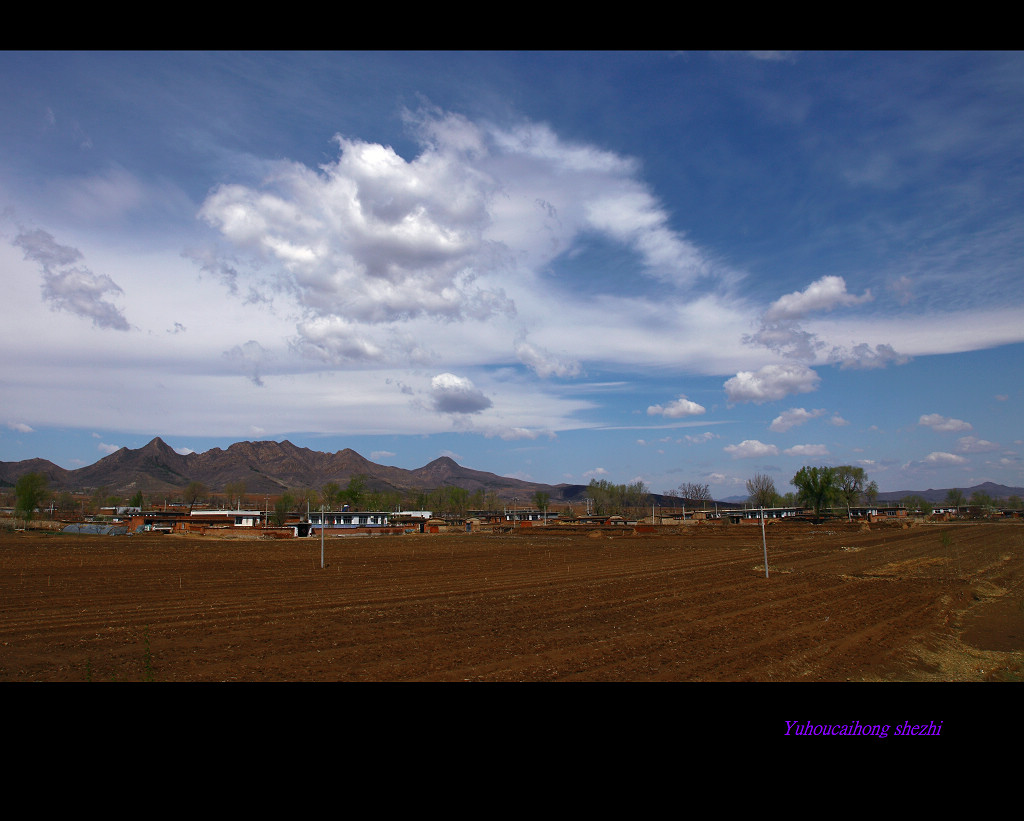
372, 238
677, 409
939, 459
750, 449
810, 451
823, 295
934, 460
21, 427
944, 424
456, 394
69, 286
707, 436
370, 234
595, 472
793, 417
972, 444
780, 330
786, 339
377, 455
103, 447
770, 383
864, 357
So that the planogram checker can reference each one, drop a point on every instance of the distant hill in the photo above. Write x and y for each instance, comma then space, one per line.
269, 468
933, 495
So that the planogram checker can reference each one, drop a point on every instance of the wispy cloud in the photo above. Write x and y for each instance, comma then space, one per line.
70, 286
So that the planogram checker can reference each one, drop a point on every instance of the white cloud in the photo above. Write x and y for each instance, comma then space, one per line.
822, 295
700, 438
456, 394
107, 449
770, 383
793, 417
939, 458
863, 357
972, 444
512, 434
750, 448
812, 451
544, 363
838, 421
595, 472
21, 427
944, 424
936, 460
373, 239
677, 408
377, 455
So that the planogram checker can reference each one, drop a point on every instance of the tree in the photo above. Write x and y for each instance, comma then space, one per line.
955, 497
637, 497
138, 500
29, 492
354, 491
542, 499
194, 491
761, 490
696, 492
235, 492
330, 495
816, 487
65, 502
98, 498
282, 507
982, 499
917, 504
850, 482
871, 492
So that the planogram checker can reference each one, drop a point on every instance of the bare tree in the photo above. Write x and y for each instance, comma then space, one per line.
695, 492
762, 490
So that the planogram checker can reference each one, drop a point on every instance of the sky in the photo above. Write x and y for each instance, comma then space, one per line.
668, 267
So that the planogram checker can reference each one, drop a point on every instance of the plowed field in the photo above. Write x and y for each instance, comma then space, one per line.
941, 602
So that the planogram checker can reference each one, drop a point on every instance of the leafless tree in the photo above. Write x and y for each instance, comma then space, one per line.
696, 492
762, 490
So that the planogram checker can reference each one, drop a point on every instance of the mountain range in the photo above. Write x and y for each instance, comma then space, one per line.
269, 468
274, 467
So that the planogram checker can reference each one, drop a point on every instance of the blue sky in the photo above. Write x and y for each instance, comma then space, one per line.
656, 266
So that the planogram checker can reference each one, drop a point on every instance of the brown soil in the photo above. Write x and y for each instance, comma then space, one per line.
541, 604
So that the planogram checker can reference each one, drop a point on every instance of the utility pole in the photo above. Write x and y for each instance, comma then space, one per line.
764, 543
